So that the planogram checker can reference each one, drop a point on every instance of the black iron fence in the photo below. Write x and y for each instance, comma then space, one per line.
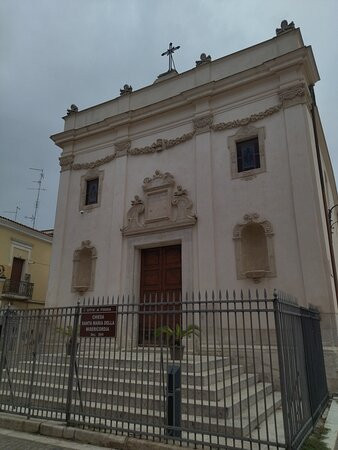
208, 372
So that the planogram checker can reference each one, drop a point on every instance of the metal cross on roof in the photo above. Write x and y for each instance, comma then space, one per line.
169, 53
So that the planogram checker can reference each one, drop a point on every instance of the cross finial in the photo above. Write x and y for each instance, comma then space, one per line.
169, 52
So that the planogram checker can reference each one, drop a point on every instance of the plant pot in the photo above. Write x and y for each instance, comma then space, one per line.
176, 352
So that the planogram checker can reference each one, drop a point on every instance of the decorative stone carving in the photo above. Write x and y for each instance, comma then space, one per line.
203, 123
158, 179
242, 122
122, 147
134, 213
66, 162
284, 27
161, 144
84, 262
204, 59
94, 164
73, 109
295, 95
254, 248
183, 204
127, 89
163, 208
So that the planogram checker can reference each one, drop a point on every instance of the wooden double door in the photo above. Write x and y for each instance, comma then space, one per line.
160, 290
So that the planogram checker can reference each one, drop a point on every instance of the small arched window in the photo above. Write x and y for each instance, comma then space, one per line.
84, 262
254, 248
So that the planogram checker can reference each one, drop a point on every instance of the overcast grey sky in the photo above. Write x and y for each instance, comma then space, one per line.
57, 52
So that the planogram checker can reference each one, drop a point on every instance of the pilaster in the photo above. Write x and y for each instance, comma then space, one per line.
303, 172
114, 263
204, 199
61, 219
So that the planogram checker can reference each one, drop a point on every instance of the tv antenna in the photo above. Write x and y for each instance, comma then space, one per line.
169, 52
17, 209
38, 189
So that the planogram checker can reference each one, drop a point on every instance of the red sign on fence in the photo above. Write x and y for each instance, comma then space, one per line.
98, 321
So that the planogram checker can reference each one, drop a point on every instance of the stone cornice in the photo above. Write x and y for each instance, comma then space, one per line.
200, 124
296, 57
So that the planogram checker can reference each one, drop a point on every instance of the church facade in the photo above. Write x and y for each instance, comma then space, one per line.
215, 178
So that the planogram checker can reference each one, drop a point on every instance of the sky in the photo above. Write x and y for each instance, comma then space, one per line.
57, 52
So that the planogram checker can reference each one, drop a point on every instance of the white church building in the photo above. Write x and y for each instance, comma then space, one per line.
215, 178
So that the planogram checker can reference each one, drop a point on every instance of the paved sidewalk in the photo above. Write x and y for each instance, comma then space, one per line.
331, 423
17, 440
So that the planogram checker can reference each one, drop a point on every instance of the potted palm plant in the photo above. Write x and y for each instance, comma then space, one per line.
175, 336
68, 331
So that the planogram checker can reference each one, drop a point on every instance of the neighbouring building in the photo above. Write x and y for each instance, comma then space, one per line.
215, 178
24, 265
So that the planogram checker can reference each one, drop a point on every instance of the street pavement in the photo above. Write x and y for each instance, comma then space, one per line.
17, 440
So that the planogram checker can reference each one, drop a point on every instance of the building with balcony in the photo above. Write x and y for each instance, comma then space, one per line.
24, 264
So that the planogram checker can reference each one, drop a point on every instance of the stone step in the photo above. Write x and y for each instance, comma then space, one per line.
214, 391
60, 371
222, 408
236, 426
142, 361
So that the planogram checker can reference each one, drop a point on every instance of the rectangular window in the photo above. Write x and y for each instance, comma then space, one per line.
248, 155
92, 191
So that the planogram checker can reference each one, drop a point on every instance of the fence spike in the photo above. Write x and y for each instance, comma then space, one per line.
212, 295
249, 294
227, 295
234, 294
242, 297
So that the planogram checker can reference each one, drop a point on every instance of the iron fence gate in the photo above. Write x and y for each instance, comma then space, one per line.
211, 372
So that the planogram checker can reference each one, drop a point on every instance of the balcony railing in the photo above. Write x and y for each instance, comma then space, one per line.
18, 288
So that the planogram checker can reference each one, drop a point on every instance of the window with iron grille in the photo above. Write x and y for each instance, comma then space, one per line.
247, 152
92, 191
248, 155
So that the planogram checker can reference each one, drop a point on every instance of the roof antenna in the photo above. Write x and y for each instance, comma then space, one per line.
38, 189
17, 209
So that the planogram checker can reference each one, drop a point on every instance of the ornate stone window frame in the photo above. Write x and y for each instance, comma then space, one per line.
91, 174
244, 134
237, 237
76, 268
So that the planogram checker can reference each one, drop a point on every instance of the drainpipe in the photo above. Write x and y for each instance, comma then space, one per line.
321, 177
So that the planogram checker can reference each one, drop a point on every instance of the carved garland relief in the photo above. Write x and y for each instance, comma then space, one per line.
288, 97
165, 206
